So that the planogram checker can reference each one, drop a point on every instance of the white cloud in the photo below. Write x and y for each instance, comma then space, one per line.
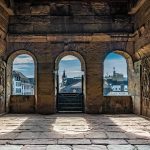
23, 60
30, 76
69, 57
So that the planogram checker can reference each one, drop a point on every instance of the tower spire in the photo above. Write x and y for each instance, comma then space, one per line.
64, 74
64, 78
114, 72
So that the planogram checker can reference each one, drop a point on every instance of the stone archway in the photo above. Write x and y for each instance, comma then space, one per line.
83, 69
130, 69
33, 104
76, 54
124, 103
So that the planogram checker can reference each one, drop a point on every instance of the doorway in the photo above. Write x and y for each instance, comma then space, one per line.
70, 85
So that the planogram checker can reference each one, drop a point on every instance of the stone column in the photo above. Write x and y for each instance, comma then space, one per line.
137, 88
2, 86
45, 87
94, 79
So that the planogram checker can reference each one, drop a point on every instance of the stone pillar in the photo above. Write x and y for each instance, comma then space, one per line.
4, 17
2, 86
45, 88
137, 89
93, 84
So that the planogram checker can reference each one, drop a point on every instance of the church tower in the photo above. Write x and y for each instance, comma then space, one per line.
114, 72
64, 77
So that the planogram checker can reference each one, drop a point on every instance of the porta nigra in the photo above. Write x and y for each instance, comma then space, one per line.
48, 31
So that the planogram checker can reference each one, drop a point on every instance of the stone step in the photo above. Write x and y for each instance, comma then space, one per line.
70, 101
70, 104
70, 108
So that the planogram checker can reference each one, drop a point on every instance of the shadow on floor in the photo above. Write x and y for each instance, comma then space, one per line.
70, 129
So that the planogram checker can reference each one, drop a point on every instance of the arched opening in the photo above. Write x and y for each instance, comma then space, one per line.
23, 77
117, 76
21, 82
70, 83
70, 75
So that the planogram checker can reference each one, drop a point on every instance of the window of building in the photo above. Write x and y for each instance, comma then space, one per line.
18, 90
70, 75
115, 75
18, 83
23, 75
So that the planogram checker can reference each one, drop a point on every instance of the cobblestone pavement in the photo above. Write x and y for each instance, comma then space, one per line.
74, 132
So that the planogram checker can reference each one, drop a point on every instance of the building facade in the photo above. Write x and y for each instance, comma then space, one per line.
70, 85
115, 85
21, 85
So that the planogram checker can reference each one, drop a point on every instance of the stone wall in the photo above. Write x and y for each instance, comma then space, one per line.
49, 29
93, 54
22, 104
142, 50
137, 88
118, 104
4, 16
142, 26
2, 86
66, 17
3, 26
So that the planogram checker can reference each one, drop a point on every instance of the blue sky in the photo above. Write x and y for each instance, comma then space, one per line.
24, 64
117, 61
71, 65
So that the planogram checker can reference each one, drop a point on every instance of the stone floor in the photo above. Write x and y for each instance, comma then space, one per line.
74, 132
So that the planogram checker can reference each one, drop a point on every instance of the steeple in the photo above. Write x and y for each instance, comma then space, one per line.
64, 75
114, 72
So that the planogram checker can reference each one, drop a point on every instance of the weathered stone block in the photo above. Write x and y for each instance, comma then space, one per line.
21, 28
60, 9
120, 147
74, 141
46, 104
10, 147
58, 147
22, 104
40, 9
91, 147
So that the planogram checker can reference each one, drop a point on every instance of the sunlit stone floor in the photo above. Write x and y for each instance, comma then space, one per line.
74, 132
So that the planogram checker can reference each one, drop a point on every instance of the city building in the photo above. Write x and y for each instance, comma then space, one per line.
70, 85
115, 85
21, 84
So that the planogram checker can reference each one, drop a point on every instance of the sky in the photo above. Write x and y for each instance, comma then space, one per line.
71, 65
117, 61
24, 63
